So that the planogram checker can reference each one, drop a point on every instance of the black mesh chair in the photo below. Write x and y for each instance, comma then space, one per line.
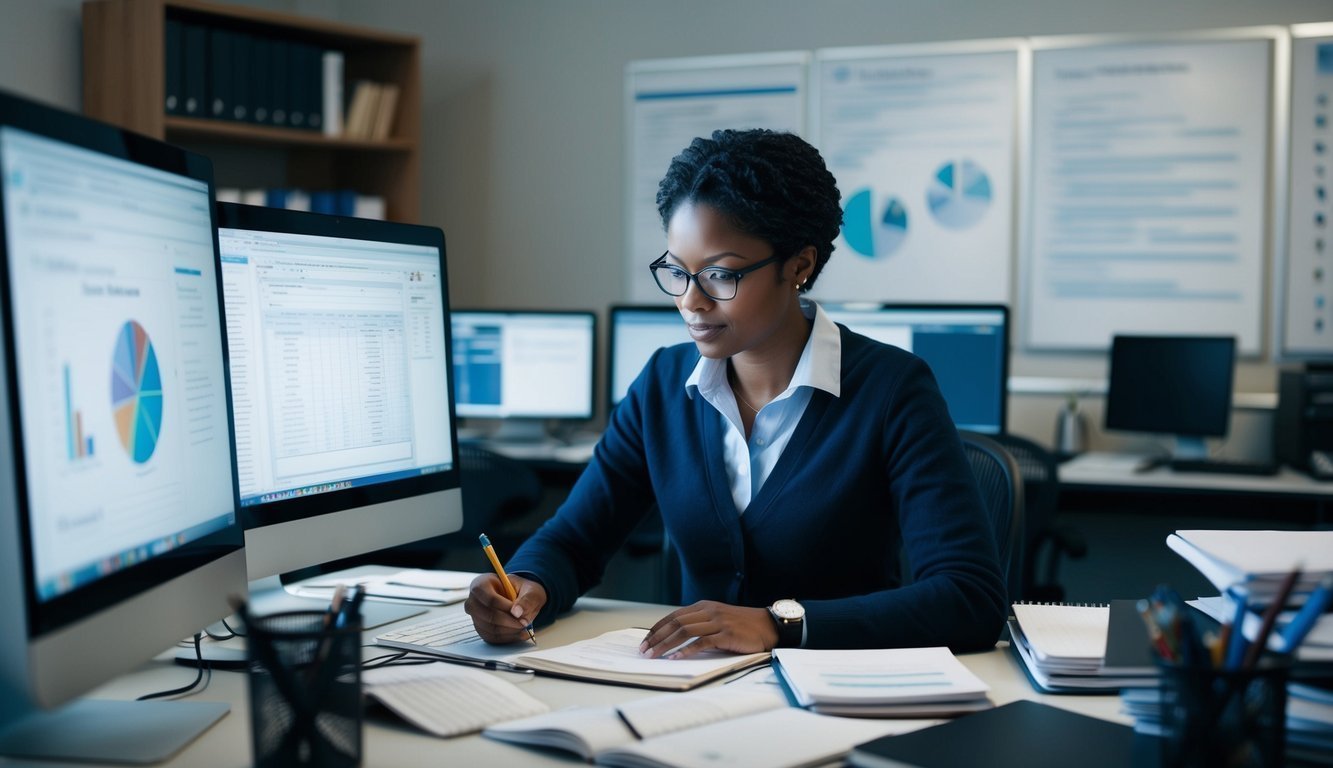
1044, 537
1001, 485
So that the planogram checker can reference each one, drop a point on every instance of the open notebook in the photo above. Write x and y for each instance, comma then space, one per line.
1069, 648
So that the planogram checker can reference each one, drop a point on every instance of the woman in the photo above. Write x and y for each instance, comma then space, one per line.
794, 462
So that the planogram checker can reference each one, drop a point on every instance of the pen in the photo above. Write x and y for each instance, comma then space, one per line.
351, 607
504, 577
1307, 616
1270, 618
1236, 646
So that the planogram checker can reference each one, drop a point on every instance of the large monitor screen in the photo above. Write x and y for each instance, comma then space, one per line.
965, 345
1176, 385
338, 334
524, 364
636, 333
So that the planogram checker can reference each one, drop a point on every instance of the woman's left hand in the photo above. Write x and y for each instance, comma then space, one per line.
708, 626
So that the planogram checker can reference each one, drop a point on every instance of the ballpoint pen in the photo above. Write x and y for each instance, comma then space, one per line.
1270, 618
504, 577
1307, 616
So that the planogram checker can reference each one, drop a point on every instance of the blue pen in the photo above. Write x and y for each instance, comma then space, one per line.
1236, 646
1307, 616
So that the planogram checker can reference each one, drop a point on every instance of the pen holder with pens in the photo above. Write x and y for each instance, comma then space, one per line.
305, 690
1215, 716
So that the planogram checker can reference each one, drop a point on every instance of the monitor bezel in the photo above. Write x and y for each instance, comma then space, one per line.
611, 325
590, 410
289, 222
45, 617
1115, 418
1007, 333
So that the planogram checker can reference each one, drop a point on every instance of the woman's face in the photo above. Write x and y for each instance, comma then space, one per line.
698, 237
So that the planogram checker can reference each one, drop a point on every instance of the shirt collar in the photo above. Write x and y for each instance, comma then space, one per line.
819, 367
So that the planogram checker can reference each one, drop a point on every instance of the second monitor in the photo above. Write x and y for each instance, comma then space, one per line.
524, 367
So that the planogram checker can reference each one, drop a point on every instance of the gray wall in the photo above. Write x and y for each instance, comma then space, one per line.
523, 120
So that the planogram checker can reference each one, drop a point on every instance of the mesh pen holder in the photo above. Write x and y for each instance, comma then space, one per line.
1224, 717
305, 690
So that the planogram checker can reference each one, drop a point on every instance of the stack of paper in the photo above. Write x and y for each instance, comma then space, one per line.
1254, 563
1082, 648
1309, 723
1317, 646
889, 682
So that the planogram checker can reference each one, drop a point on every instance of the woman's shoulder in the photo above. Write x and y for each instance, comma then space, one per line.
859, 352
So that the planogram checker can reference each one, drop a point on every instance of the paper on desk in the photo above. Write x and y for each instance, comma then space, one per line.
619, 652
414, 585
418, 577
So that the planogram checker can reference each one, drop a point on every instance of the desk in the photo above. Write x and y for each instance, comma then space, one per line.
390, 743
1116, 471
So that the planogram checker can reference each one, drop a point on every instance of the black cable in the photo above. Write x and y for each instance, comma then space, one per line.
202, 667
233, 630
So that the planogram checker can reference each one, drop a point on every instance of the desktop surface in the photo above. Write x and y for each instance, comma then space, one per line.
389, 741
1126, 471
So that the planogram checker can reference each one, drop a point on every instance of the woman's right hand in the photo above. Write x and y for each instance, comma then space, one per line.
497, 618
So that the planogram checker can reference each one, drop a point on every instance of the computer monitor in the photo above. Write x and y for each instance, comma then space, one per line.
965, 345
118, 526
1175, 385
524, 366
636, 333
339, 344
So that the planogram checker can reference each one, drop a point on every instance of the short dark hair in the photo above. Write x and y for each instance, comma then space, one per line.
770, 185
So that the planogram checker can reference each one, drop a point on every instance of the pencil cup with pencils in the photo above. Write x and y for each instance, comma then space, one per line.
305, 689
1215, 716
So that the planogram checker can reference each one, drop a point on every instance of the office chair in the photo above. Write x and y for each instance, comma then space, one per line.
1043, 534
1001, 484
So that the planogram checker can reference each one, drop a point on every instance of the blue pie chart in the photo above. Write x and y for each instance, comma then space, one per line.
873, 230
959, 194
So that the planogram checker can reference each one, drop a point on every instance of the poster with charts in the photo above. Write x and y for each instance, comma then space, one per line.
668, 104
922, 140
1307, 299
1148, 190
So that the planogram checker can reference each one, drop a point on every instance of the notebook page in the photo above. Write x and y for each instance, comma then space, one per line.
669, 712
1064, 631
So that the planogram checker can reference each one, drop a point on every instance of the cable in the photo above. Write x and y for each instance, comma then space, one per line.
202, 667
233, 630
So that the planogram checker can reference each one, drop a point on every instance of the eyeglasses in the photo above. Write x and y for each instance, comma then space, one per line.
717, 283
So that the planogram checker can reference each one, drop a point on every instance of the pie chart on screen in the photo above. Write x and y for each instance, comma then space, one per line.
873, 229
136, 392
959, 194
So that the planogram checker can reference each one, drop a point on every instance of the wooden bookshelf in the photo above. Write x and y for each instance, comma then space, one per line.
124, 82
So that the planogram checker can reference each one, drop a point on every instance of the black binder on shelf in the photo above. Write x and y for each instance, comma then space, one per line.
241, 100
173, 63
260, 80
219, 74
280, 104
196, 70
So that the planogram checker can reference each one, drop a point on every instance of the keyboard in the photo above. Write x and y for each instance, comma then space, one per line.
1223, 466
430, 635
449, 701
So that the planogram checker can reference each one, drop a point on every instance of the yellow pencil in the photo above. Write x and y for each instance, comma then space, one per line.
504, 577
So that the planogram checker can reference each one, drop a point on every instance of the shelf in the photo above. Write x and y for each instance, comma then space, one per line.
201, 128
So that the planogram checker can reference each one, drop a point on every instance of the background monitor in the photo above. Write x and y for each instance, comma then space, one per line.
119, 531
1176, 385
524, 365
636, 333
965, 345
339, 345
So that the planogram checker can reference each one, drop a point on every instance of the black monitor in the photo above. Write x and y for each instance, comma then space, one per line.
524, 367
636, 333
118, 527
1174, 385
965, 345
339, 344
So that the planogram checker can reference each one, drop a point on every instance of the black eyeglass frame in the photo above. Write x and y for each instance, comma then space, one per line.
661, 263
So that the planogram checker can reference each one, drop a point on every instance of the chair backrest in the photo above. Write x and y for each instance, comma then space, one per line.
496, 488
1041, 494
1001, 484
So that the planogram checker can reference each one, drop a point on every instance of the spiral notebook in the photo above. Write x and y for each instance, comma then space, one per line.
1082, 648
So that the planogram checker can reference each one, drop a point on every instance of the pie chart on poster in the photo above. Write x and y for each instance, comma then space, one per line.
873, 230
959, 194
136, 392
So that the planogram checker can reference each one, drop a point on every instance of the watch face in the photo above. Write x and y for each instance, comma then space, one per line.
789, 610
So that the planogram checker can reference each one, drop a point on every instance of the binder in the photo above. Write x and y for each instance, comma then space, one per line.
196, 70
297, 87
260, 80
219, 74
241, 98
280, 96
174, 53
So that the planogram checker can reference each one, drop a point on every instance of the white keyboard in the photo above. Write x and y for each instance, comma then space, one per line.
431, 634
449, 701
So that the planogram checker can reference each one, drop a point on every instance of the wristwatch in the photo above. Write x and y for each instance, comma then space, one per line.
790, 618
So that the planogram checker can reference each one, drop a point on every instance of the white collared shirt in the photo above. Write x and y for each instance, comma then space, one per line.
749, 463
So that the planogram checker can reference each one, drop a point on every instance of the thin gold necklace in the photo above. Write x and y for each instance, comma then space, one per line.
731, 379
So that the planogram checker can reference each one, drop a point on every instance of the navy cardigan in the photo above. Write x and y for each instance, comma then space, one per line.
870, 477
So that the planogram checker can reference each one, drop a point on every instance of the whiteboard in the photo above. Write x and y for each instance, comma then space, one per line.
669, 103
922, 140
1148, 191
1307, 319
